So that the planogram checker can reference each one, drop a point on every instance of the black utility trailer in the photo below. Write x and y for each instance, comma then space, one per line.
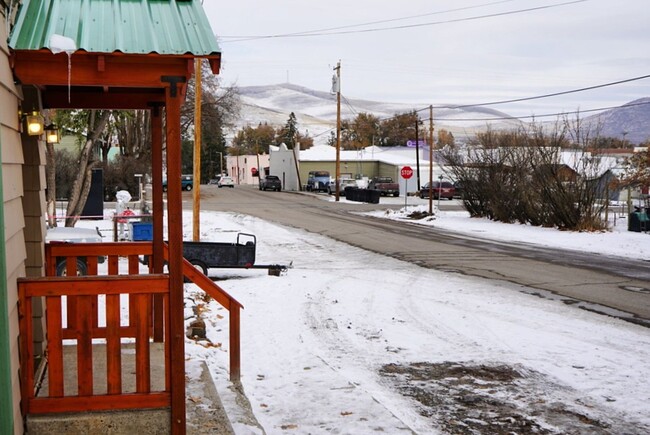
224, 255
206, 255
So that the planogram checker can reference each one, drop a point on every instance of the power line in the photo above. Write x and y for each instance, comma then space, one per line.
390, 20
405, 26
347, 103
519, 100
505, 118
512, 118
405, 18
537, 97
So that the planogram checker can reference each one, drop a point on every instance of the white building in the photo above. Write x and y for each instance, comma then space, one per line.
243, 168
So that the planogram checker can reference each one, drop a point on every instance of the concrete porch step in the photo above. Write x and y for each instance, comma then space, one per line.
204, 411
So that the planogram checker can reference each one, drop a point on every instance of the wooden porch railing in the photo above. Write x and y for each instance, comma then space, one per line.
72, 313
226, 301
83, 292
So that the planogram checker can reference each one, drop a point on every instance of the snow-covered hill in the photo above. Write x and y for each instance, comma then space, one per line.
316, 111
630, 121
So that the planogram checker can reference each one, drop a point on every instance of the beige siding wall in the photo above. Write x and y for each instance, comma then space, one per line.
388, 170
33, 209
11, 157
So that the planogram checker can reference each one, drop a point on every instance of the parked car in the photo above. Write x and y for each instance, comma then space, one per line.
343, 183
214, 181
187, 183
441, 189
318, 181
73, 235
225, 181
459, 190
271, 182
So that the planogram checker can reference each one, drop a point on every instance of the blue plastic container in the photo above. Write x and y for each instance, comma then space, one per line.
141, 231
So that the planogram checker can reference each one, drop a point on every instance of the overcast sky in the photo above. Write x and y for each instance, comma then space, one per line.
444, 51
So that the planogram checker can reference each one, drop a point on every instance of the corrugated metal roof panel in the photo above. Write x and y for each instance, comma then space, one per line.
173, 27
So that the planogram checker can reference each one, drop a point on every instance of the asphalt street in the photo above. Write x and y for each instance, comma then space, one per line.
610, 285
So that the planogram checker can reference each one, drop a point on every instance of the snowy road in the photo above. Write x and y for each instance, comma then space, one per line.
598, 279
351, 342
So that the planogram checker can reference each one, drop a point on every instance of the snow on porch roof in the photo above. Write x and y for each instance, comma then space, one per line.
165, 27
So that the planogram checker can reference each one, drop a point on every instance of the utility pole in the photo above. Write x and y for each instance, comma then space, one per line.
196, 184
417, 149
338, 129
430, 160
257, 154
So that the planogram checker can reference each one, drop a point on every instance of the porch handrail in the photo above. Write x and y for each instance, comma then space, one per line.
228, 302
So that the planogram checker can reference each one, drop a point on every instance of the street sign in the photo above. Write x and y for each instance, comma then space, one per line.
406, 172
413, 144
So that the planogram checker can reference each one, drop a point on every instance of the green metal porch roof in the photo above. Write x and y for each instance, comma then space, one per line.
166, 27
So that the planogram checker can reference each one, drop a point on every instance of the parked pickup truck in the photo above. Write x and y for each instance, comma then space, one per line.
271, 182
384, 185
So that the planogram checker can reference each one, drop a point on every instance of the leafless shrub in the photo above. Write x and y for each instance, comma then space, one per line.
531, 175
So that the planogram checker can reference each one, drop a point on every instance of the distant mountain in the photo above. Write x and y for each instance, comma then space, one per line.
316, 111
630, 121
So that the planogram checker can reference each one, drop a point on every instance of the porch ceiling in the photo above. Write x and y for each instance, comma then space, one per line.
101, 81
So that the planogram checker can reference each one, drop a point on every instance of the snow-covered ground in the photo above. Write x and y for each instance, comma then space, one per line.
618, 241
351, 342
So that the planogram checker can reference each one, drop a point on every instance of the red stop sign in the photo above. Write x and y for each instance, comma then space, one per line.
406, 172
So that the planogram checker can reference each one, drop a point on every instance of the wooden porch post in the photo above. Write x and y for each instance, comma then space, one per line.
156, 181
157, 214
175, 238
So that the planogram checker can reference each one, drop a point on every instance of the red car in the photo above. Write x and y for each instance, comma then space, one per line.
442, 189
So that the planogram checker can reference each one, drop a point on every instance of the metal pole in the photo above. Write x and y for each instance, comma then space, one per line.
439, 189
406, 193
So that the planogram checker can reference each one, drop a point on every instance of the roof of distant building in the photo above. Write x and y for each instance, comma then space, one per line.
392, 155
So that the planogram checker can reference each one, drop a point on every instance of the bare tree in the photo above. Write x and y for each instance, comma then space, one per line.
525, 176
81, 185
220, 106
133, 132
50, 177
